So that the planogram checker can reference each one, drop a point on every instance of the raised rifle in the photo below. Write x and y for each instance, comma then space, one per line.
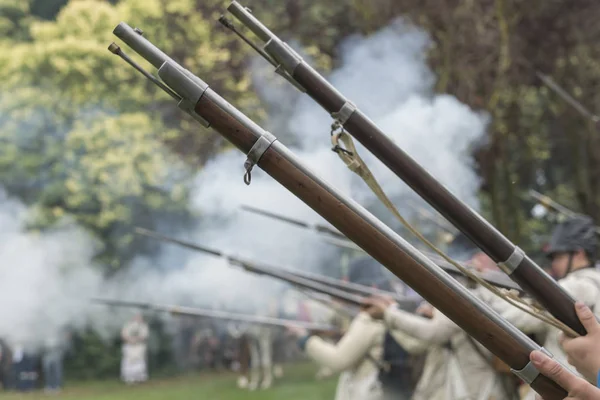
378, 240
510, 258
553, 206
580, 108
205, 313
304, 280
338, 239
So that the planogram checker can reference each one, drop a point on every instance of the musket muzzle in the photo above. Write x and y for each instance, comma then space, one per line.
285, 57
141, 45
245, 17
183, 85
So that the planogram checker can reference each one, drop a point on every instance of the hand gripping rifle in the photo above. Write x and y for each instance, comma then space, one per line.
378, 240
510, 258
204, 313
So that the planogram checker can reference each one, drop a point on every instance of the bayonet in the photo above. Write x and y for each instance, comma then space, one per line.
217, 314
338, 239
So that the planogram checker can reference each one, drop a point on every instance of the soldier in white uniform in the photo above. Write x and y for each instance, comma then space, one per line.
358, 356
572, 250
353, 356
456, 367
133, 363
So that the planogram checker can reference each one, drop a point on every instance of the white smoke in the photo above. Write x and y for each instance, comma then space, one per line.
387, 77
45, 278
385, 74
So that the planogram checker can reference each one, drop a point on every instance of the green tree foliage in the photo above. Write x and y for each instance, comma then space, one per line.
85, 135
14, 19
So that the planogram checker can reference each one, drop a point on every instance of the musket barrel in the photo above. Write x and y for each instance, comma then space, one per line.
476, 318
300, 281
277, 273
547, 202
316, 282
514, 262
204, 313
245, 16
134, 39
141, 45
452, 299
338, 239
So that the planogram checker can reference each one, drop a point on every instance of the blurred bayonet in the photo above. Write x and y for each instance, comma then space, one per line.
205, 313
553, 206
581, 109
320, 228
338, 239
314, 282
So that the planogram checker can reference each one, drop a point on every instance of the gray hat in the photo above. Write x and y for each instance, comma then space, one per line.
572, 235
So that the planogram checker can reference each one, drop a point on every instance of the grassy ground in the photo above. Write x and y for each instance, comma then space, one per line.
298, 383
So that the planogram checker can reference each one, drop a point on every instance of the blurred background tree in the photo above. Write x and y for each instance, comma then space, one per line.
61, 90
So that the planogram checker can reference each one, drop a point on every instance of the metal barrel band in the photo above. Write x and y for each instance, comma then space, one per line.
283, 54
529, 372
190, 90
256, 152
512, 263
344, 113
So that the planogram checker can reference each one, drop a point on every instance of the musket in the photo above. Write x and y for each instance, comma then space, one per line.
580, 108
338, 239
299, 279
551, 205
510, 258
319, 228
217, 314
505, 341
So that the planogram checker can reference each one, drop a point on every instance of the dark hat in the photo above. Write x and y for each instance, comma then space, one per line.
572, 235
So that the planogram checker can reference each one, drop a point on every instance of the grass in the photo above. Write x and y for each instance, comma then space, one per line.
298, 383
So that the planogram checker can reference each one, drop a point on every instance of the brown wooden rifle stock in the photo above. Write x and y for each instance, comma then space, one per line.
437, 287
509, 257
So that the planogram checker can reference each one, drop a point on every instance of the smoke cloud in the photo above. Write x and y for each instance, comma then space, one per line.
385, 74
45, 277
